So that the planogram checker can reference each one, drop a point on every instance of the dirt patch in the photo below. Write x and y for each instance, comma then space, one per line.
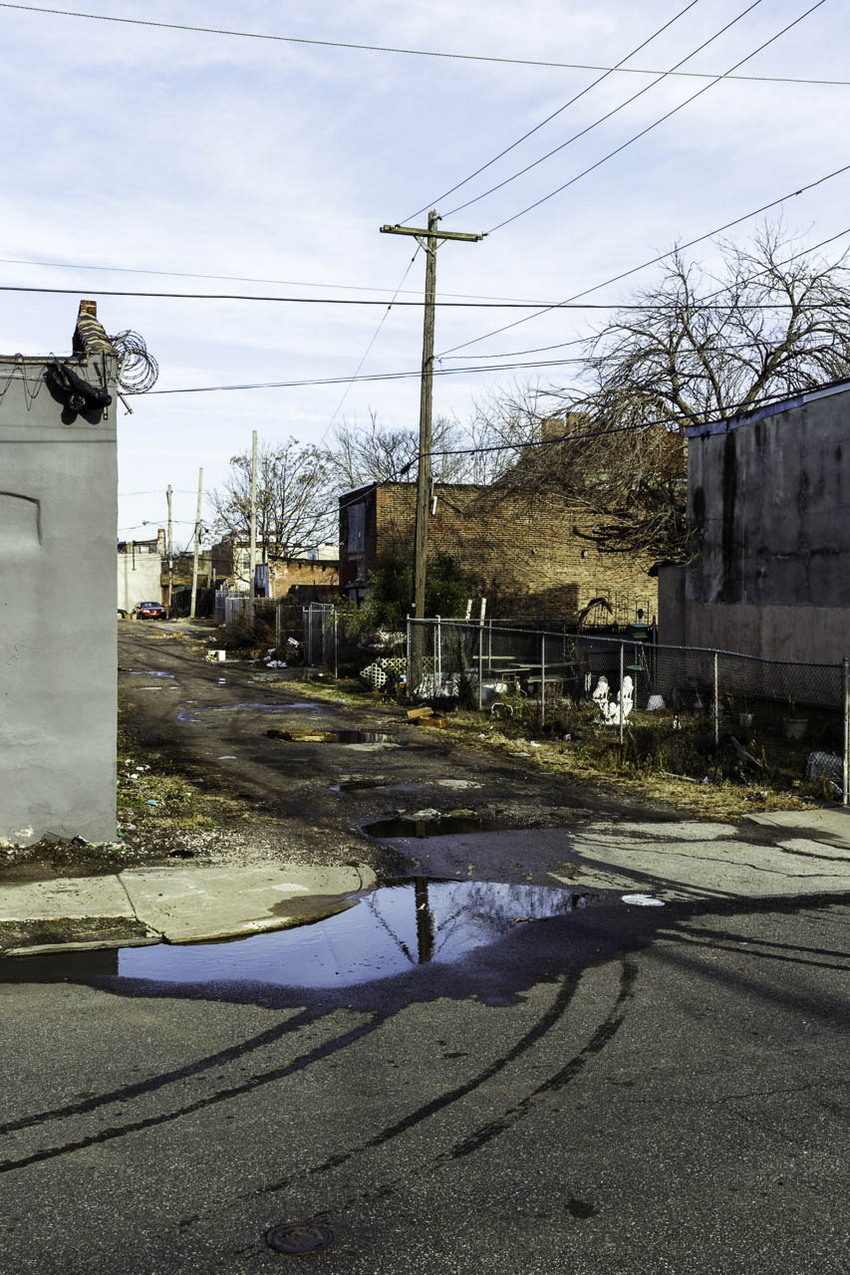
95, 929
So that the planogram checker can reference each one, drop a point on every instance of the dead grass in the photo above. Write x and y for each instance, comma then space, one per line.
94, 929
593, 757
153, 796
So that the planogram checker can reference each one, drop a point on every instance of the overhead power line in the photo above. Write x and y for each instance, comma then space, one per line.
432, 203
583, 340
609, 114
419, 53
236, 278
649, 128
346, 301
674, 418
662, 256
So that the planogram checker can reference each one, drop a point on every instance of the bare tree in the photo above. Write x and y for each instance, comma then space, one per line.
296, 508
770, 322
385, 454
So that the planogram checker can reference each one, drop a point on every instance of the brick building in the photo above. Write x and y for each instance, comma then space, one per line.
521, 552
313, 574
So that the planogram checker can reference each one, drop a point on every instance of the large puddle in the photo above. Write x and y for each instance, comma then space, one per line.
395, 929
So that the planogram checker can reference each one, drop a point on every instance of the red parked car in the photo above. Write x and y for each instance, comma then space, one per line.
150, 611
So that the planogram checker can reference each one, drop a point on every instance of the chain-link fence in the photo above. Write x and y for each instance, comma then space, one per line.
768, 716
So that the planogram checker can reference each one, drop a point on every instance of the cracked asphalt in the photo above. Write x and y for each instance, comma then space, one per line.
615, 1090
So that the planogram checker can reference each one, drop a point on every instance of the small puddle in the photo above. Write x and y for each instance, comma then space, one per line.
397, 928
138, 672
306, 736
432, 824
356, 783
193, 714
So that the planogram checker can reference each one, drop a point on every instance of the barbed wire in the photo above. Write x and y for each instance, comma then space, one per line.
138, 370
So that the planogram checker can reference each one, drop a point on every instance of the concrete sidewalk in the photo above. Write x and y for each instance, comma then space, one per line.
189, 905
791, 854
690, 860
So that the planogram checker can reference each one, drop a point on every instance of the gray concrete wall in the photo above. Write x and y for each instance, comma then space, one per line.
770, 503
58, 514
671, 604
139, 579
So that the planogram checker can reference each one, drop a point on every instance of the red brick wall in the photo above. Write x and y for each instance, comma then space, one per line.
521, 551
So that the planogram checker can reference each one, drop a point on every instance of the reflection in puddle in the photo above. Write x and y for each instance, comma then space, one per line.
138, 672
388, 932
435, 825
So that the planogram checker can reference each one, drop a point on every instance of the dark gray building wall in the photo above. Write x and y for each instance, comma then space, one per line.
58, 514
769, 500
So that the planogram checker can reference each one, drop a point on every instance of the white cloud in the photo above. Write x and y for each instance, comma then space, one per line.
175, 151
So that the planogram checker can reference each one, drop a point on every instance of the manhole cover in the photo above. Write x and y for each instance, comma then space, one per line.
300, 1239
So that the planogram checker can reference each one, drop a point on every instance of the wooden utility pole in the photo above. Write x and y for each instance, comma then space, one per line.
169, 548
252, 555
429, 240
197, 544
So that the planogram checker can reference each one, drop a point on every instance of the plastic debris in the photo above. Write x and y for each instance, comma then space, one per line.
643, 900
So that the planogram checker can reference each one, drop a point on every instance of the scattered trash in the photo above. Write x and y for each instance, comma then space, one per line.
276, 664
79, 841
150, 802
655, 703
416, 714
216, 657
227, 757
643, 900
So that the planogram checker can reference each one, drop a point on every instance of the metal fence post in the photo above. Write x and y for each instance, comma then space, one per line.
480, 667
438, 654
845, 677
409, 657
622, 672
542, 678
716, 705
336, 644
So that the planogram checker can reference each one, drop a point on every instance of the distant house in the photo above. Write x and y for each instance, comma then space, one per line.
523, 553
140, 567
58, 512
769, 508
308, 574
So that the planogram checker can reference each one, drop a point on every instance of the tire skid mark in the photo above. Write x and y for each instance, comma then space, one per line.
486, 1132
543, 1025
223, 1095
600, 1038
141, 1087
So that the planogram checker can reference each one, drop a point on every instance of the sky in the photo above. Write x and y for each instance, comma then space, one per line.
142, 158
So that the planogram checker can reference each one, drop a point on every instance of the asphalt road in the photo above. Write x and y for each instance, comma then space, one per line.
612, 1091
